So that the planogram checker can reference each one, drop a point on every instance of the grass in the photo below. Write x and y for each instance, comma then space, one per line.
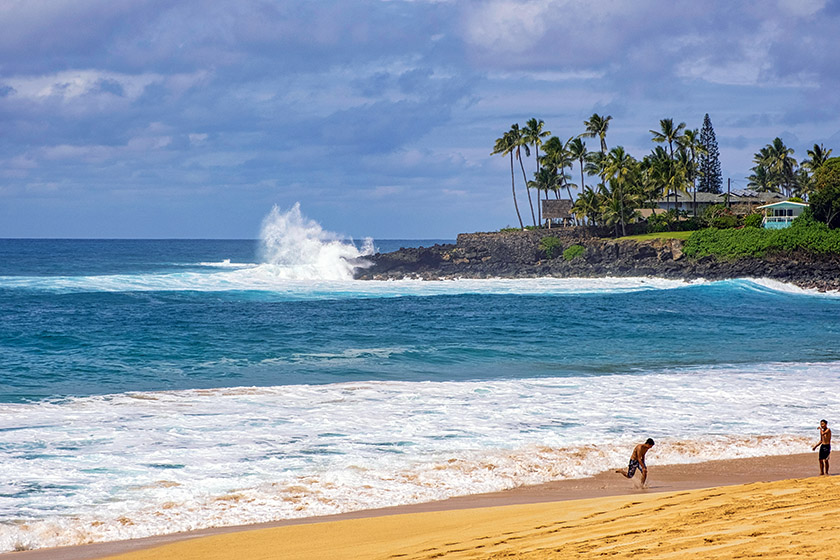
660, 235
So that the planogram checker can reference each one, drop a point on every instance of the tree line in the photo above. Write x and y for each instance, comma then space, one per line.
682, 161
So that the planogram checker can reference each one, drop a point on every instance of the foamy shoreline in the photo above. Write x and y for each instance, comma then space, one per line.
671, 478
314, 451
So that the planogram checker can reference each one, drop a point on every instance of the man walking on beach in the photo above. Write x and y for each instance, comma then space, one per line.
637, 461
825, 447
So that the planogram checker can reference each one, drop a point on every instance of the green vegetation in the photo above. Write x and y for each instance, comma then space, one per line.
720, 217
777, 171
805, 234
550, 245
574, 252
753, 220
825, 201
684, 160
711, 180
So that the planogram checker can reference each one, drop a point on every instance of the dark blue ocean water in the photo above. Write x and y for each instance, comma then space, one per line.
83, 317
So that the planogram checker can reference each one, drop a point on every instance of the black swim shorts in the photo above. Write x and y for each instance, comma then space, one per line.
631, 468
825, 451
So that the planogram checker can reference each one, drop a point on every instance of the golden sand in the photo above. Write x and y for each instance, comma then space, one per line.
786, 519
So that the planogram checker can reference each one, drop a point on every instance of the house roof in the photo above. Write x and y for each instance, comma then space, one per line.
739, 196
784, 204
552, 209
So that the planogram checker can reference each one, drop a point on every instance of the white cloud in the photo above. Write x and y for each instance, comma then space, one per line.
72, 84
548, 75
516, 26
802, 8
751, 65
508, 26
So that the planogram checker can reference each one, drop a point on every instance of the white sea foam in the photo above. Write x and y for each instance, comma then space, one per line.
285, 282
767, 284
128, 465
300, 249
225, 264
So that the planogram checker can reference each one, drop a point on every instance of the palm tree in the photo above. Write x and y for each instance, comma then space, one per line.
761, 180
690, 141
660, 168
595, 163
505, 146
597, 126
555, 157
651, 186
588, 205
520, 143
577, 151
779, 160
817, 156
544, 180
567, 161
620, 167
533, 133
668, 133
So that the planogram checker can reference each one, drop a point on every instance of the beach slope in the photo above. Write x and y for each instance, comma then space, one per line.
796, 518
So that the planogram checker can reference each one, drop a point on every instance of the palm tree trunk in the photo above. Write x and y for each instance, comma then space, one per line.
569, 190
546, 199
527, 190
581, 175
513, 188
695, 197
623, 231
539, 206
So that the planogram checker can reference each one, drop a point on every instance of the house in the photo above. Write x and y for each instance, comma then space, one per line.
558, 212
779, 215
741, 202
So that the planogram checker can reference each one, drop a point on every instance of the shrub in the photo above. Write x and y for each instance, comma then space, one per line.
803, 235
660, 222
691, 224
753, 220
825, 201
574, 252
550, 246
720, 217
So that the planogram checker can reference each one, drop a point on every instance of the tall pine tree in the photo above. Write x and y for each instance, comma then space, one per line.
711, 180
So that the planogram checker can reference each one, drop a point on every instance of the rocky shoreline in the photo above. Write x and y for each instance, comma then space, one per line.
521, 255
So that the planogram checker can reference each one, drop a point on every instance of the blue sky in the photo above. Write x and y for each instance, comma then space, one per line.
192, 119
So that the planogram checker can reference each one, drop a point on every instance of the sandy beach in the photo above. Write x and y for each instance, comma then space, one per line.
760, 507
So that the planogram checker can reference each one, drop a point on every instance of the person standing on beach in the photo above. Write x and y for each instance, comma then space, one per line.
637, 461
825, 446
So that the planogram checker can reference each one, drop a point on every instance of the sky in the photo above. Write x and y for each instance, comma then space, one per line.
192, 119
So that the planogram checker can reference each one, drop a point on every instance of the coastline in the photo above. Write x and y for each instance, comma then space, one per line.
522, 255
606, 486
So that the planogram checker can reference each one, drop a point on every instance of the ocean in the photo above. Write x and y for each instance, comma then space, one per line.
154, 386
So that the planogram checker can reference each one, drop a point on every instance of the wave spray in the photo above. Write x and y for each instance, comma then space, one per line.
297, 248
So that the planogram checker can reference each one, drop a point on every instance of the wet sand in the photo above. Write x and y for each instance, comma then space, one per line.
606, 500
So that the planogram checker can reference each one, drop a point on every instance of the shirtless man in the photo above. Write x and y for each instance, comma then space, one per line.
825, 447
637, 461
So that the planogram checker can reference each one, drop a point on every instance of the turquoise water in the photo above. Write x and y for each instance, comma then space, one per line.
179, 372
160, 333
